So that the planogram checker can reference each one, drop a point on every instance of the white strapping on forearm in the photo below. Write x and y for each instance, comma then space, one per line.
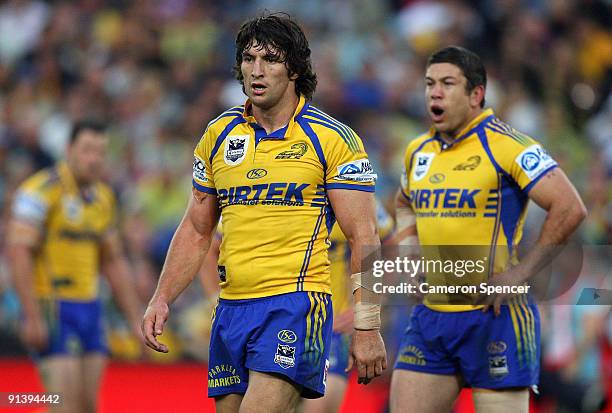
405, 218
367, 316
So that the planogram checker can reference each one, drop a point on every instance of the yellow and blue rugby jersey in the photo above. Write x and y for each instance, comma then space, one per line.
474, 191
340, 257
72, 224
272, 191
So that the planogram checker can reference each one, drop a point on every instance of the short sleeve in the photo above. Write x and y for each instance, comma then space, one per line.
202, 167
33, 200
348, 166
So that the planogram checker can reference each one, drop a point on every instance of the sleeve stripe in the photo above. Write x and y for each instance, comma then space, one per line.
368, 188
404, 195
537, 179
316, 113
345, 138
518, 137
324, 116
204, 189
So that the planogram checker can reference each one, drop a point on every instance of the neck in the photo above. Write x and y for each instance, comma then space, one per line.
450, 136
79, 182
276, 117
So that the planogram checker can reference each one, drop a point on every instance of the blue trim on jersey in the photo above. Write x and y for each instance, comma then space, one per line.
370, 188
260, 133
205, 189
330, 218
315, 142
235, 111
513, 202
224, 134
329, 126
405, 196
324, 116
537, 179
308, 254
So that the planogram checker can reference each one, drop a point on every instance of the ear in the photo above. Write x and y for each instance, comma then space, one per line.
294, 77
476, 96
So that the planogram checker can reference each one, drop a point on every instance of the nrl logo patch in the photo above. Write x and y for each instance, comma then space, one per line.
285, 356
298, 150
235, 149
422, 163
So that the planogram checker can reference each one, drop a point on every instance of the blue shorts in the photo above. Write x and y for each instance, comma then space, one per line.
338, 354
488, 352
75, 328
287, 334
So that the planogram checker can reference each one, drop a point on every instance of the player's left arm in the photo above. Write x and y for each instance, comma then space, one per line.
117, 270
565, 211
355, 212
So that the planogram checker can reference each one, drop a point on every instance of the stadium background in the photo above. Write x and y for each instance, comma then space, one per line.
158, 70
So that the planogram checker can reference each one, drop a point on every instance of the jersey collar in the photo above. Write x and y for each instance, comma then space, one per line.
468, 130
286, 130
69, 182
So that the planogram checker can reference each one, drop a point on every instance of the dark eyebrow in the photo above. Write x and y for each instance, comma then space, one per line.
442, 79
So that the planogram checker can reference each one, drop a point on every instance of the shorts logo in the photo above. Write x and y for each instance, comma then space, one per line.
358, 171
235, 149
471, 164
287, 336
412, 355
498, 367
257, 173
496, 347
199, 170
299, 149
437, 178
534, 161
285, 356
422, 164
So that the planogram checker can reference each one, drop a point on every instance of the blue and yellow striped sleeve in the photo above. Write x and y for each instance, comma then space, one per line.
518, 155
202, 164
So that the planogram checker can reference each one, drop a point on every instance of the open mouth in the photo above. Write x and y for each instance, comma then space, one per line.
258, 88
437, 112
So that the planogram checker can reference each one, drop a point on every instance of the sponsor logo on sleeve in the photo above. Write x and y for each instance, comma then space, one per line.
199, 170
357, 171
422, 163
235, 149
534, 161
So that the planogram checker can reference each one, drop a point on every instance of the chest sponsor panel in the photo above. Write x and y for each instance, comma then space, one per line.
273, 193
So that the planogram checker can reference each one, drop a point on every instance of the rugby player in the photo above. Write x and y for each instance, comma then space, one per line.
467, 182
280, 172
61, 234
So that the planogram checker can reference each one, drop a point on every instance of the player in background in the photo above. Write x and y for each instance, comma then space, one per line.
280, 172
467, 182
62, 233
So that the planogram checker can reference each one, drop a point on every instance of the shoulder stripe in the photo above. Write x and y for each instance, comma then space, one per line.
314, 139
350, 143
503, 128
235, 111
350, 133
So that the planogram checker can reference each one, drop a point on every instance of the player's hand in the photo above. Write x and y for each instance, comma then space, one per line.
153, 325
368, 353
34, 333
511, 277
343, 323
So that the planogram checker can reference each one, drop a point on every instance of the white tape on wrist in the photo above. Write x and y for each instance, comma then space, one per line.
367, 316
405, 218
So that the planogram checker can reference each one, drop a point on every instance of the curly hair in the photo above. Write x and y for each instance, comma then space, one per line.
284, 40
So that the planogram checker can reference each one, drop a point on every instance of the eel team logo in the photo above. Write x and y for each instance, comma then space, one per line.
287, 336
422, 163
199, 170
471, 164
534, 161
285, 356
297, 151
235, 149
358, 171
498, 367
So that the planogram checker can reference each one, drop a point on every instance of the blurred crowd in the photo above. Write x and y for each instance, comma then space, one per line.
156, 71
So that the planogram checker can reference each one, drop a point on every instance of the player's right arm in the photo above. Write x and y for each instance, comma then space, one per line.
25, 233
189, 245
185, 256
